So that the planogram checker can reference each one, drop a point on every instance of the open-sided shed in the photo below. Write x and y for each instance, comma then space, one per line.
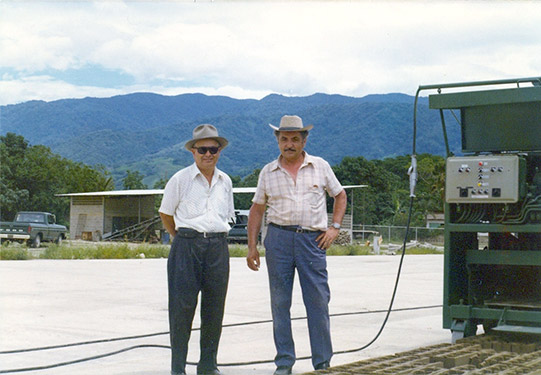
95, 214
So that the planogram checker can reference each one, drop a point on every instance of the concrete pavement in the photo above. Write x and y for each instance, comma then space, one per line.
56, 302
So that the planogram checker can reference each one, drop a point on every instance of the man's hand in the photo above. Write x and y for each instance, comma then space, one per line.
253, 259
326, 238
254, 225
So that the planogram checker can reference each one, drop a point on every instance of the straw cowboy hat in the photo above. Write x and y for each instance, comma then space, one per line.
205, 131
291, 124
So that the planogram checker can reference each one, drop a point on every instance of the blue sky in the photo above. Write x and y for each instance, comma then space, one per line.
248, 49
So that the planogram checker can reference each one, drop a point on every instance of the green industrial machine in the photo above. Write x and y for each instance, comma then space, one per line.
492, 267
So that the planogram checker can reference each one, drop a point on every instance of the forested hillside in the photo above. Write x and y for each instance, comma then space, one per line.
146, 132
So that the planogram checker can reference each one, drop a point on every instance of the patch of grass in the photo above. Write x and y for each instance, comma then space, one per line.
122, 250
153, 251
422, 251
349, 250
240, 251
106, 251
15, 253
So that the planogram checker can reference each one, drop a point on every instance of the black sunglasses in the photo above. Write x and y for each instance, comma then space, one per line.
203, 150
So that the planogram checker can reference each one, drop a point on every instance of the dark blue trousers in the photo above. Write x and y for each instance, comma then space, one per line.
286, 251
196, 265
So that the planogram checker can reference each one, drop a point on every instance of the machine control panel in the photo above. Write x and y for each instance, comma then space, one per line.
482, 179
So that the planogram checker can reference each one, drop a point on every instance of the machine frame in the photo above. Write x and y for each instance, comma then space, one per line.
492, 265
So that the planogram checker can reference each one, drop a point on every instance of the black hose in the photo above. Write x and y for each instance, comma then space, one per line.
124, 338
80, 360
109, 354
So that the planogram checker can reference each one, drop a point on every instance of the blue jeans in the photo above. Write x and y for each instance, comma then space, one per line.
285, 252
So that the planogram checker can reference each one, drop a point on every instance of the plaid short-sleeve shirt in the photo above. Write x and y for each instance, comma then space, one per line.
297, 202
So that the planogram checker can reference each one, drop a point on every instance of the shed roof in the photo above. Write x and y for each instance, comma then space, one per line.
117, 193
111, 193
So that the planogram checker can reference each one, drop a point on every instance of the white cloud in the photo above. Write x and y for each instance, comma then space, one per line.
253, 48
47, 88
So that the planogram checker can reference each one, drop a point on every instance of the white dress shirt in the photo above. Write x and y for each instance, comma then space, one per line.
196, 205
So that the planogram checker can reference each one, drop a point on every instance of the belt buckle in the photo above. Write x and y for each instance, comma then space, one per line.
205, 235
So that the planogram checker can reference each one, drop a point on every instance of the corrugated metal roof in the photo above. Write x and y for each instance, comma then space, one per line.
111, 193
114, 193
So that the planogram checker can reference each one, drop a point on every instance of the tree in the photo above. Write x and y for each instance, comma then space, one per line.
244, 201
32, 176
133, 180
12, 196
386, 199
373, 204
160, 184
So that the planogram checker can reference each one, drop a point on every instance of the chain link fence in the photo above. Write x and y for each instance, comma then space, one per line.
395, 235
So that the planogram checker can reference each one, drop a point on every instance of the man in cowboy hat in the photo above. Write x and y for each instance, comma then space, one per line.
292, 190
196, 207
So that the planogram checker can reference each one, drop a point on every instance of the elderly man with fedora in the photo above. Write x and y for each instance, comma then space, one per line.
292, 189
196, 208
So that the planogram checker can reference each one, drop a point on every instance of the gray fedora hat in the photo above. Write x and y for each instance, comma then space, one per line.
291, 124
205, 131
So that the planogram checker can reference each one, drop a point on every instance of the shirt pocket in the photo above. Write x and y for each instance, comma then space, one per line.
315, 196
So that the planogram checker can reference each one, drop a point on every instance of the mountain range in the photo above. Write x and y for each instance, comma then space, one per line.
146, 132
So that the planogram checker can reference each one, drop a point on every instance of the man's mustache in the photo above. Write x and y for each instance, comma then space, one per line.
290, 149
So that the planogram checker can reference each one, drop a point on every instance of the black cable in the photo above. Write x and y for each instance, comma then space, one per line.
124, 338
75, 361
109, 354
82, 343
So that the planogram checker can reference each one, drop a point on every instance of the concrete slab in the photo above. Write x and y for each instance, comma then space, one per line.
56, 302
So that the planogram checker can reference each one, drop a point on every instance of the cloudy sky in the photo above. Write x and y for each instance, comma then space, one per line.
247, 49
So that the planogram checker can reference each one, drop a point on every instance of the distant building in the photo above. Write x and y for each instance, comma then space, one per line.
97, 214
435, 220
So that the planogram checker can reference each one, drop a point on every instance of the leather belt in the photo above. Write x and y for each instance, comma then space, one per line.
293, 228
192, 233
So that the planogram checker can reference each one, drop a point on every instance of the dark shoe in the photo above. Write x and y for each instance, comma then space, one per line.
209, 372
322, 366
283, 370
178, 373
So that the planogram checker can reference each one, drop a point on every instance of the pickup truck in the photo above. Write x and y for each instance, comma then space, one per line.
33, 227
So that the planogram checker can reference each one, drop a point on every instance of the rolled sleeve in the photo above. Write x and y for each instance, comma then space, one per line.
333, 185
